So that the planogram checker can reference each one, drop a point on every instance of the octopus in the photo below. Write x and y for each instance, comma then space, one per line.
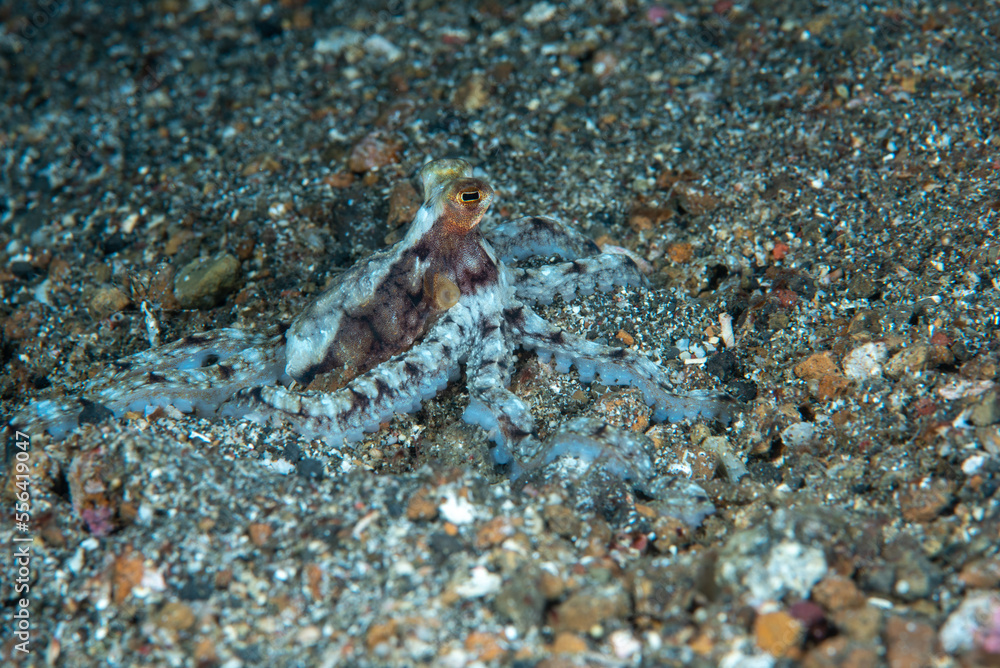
396, 328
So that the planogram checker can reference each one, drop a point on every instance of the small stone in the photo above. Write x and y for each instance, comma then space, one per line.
380, 633
835, 592
863, 624
260, 533
339, 180
841, 652
732, 465
126, 574
778, 633
472, 94
625, 337
204, 652
922, 502
422, 506
244, 249
670, 532
865, 361
861, 286
816, 366
569, 643
205, 282
908, 360
681, 253
175, 616
960, 629
987, 411
981, 574
832, 386
485, 646
695, 199
562, 520
909, 643
644, 218
494, 532
588, 610
551, 586
539, 13
375, 150
404, 202
309, 635
108, 300
521, 600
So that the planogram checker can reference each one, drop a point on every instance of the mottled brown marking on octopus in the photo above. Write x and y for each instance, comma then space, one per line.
404, 306
155, 378
383, 387
225, 372
514, 316
359, 403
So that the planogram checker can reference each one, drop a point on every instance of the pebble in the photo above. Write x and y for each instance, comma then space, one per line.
732, 464
562, 521
680, 253
376, 149
175, 616
816, 366
522, 599
778, 633
865, 361
587, 611
923, 500
422, 506
486, 646
404, 202
379, 633
987, 411
108, 300
260, 533
539, 13
917, 358
569, 643
835, 592
863, 624
841, 652
770, 567
981, 573
695, 199
472, 94
909, 643
959, 631
494, 532
205, 282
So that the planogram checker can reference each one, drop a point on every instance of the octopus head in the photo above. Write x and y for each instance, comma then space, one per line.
458, 200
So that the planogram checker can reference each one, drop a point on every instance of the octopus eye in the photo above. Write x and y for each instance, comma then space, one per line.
470, 196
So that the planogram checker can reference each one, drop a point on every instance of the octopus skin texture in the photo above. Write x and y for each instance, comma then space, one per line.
396, 328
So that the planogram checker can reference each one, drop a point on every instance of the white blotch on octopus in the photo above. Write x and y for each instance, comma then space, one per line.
396, 328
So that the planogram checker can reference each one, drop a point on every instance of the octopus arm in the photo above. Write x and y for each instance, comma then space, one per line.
195, 374
492, 406
395, 386
538, 236
618, 366
621, 453
577, 277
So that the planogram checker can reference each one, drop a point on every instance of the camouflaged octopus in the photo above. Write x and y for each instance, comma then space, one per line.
397, 327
